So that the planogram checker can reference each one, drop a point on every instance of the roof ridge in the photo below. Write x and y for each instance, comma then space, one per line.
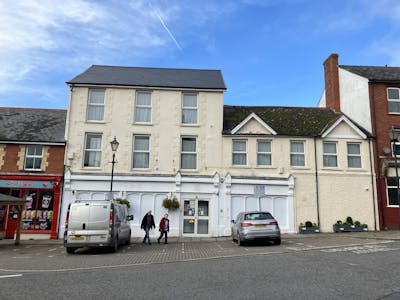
33, 109
358, 66
155, 68
273, 106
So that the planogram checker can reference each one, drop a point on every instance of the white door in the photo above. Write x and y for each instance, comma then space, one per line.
196, 217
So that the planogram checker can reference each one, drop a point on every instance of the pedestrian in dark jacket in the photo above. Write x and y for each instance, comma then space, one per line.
147, 224
164, 228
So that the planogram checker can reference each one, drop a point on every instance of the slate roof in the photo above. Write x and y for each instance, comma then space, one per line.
289, 121
32, 125
151, 77
373, 73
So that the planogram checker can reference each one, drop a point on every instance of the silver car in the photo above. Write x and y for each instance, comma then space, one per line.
255, 225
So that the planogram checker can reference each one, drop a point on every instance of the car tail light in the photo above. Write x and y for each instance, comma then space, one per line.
273, 223
110, 225
246, 224
66, 220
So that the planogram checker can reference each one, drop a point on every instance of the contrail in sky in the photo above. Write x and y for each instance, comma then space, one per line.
165, 27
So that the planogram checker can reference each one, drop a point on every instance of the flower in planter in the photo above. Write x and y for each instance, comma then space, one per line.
124, 201
171, 204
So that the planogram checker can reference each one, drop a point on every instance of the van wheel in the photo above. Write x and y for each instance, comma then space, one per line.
114, 246
71, 250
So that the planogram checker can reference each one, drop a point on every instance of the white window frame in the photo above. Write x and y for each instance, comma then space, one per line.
94, 105
387, 192
139, 107
353, 155
184, 153
239, 152
326, 155
292, 153
397, 146
140, 151
34, 156
264, 153
393, 100
85, 150
190, 108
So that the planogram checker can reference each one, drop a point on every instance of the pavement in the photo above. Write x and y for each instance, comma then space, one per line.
50, 256
378, 235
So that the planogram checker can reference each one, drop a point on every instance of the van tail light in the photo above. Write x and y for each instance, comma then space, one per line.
66, 220
110, 224
246, 224
273, 223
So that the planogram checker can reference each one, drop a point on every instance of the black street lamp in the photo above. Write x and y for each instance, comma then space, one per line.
394, 137
114, 146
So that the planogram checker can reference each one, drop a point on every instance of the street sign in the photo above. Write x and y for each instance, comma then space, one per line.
259, 190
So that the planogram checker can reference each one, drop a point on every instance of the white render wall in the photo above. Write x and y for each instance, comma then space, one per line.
291, 192
165, 131
354, 98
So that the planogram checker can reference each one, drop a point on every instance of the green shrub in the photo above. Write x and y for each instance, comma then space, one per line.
349, 221
309, 224
171, 204
123, 201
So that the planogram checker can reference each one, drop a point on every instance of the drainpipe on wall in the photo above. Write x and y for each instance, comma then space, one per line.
316, 178
377, 153
372, 181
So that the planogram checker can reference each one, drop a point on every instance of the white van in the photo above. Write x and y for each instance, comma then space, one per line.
96, 224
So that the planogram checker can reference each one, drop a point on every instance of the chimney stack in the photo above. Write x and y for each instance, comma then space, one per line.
331, 71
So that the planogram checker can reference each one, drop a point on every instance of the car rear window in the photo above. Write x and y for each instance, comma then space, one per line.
258, 216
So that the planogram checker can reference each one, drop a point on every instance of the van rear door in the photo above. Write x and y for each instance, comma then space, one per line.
99, 216
78, 216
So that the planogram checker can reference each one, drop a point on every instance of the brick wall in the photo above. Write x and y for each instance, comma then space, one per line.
331, 72
14, 157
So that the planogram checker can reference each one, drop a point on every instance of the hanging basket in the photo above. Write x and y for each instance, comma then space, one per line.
171, 203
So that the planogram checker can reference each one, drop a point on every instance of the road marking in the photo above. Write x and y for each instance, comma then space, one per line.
9, 276
361, 249
53, 249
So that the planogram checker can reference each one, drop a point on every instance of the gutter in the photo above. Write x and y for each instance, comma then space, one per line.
372, 182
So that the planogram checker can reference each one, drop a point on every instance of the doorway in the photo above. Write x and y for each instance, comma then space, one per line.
196, 217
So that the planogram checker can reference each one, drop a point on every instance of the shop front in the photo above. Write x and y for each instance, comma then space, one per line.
40, 215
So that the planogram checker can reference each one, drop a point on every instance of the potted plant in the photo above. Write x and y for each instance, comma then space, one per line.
171, 203
308, 227
349, 226
124, 201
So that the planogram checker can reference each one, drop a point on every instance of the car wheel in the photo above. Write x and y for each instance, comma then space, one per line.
128, 242
70, 250
277, 241
239, 240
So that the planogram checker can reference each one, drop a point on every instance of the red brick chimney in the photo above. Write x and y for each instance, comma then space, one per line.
331, 71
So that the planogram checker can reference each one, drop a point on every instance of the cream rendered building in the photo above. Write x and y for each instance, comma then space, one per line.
312, 164
168, 123
176, 139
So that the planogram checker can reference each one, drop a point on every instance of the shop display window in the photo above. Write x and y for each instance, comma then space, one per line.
38, 213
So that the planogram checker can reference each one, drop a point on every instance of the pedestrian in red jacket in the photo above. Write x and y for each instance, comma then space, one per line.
164, 228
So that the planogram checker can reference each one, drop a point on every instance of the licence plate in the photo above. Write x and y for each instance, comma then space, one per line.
261, 226
77, 238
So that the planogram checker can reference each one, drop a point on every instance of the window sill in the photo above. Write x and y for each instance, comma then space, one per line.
143, 124
95, 122
190, 125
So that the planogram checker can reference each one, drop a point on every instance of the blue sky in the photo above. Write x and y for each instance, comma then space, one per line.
270, 51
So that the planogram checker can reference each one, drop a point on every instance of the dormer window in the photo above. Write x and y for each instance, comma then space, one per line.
393, 100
